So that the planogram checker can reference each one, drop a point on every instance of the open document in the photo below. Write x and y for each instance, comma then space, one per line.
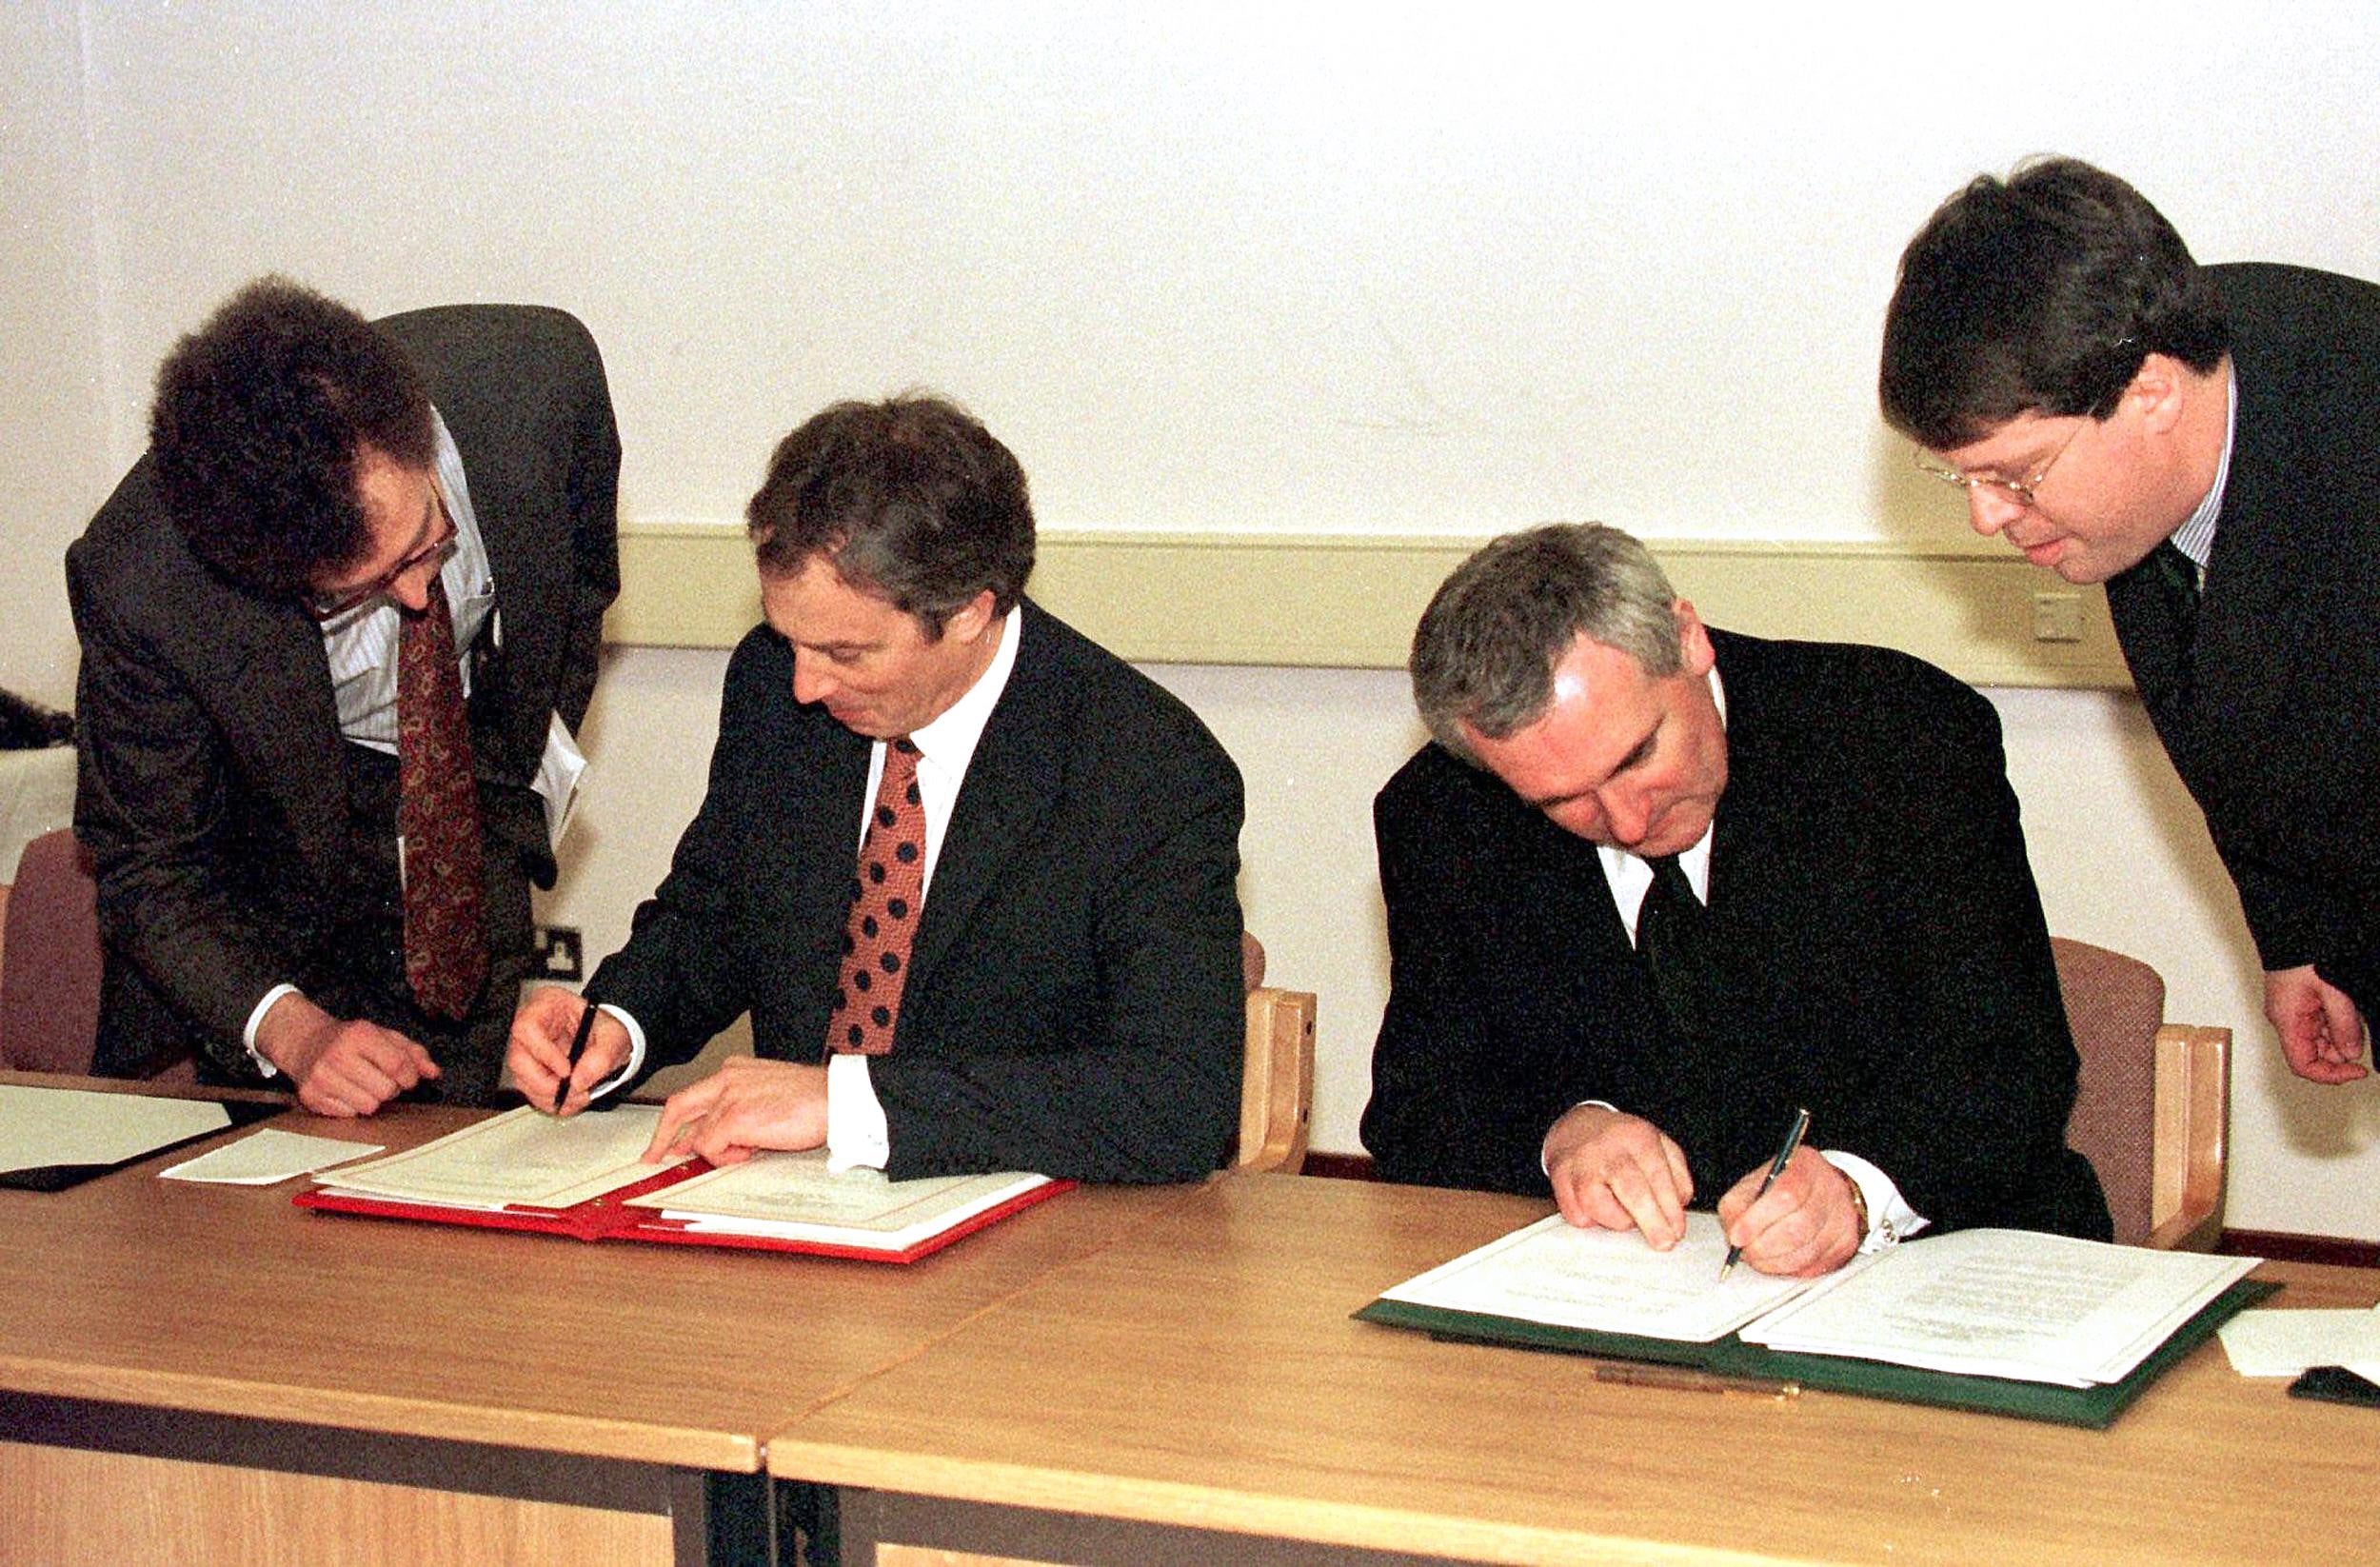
583, 1178
2007, 1304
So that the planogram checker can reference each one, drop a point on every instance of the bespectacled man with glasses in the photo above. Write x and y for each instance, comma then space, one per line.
2205, 442
337, 626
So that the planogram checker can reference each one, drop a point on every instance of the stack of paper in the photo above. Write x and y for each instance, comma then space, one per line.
2039, 1308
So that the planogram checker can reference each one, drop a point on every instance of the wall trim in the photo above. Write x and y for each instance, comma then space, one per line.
1350, 601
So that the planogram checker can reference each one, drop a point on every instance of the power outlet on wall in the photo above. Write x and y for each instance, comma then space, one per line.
559, 956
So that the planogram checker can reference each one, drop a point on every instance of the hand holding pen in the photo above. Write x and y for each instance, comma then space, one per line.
1776, 1167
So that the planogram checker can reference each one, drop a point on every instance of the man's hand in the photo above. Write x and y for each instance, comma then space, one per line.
1618, 1172
341, 1066
747, 1105
1804, 1225
2321, 1032
540, 1052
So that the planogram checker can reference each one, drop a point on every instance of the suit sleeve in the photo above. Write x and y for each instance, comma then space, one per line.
1967, 1112
678, 975
1144, 1085
1457, 1099
150, 804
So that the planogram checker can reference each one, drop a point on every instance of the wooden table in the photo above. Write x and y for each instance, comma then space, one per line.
197, 1373
1196, 1393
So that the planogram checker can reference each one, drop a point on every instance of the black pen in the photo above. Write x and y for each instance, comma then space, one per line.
1776, 1167
578, 1048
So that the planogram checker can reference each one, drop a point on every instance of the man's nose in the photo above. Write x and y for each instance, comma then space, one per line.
1991, 509
1626, 815
811, 681
411, 589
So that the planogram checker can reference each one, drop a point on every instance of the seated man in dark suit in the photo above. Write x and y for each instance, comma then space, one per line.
1655, 886
337, 626
1038, 964
2201, 439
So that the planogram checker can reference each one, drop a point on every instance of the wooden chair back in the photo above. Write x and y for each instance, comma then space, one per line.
1276, 1084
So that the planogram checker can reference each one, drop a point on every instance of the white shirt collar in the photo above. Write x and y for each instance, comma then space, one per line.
1629, 875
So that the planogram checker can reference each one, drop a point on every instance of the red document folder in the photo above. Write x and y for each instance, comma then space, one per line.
611, 1217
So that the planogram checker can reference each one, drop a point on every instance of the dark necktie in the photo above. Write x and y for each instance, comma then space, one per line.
885, 906
2177, 577
445, 939
1672, 936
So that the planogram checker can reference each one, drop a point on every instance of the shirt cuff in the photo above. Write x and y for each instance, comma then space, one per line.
256, 1020
1891, 1220
857, 1138
636, 1053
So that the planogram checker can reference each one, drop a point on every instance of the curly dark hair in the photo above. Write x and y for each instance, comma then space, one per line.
910, 498
259, 420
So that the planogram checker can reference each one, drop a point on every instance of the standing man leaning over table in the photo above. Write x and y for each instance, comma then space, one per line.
337, 626
1655, 886
1037, 964
2205, 441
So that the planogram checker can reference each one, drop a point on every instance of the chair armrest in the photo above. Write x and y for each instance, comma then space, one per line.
2193, 1116
1277, 1088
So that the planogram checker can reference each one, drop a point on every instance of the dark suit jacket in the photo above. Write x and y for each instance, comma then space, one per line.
1878, 941
2272, 714
214, 790
1073, 1003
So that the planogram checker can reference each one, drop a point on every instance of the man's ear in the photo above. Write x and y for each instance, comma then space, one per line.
967, 622
2158, 391
1693, 641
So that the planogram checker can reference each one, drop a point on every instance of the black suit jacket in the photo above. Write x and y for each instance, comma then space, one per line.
213, 786
1878, 939
1073, 1003
2272, 710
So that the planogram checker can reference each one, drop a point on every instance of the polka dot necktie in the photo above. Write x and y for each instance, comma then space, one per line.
1672, 930
445, 939
885, 906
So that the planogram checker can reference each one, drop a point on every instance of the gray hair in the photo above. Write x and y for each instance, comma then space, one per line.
1484, 653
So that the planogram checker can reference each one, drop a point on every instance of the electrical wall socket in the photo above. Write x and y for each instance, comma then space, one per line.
2056, 616
559, 955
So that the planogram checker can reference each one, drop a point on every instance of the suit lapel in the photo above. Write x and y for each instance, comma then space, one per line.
281, 719
1013, 783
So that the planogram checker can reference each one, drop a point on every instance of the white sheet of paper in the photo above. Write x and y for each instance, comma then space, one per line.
2043, 1308
2270, 1342
266, 1156
1605, 1281
45, 1126
522, 1159
794, 1197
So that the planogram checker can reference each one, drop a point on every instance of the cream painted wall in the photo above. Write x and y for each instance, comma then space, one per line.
53, 458
1435, 268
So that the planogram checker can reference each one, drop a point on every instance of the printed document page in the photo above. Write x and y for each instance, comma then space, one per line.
792, 1196
1605, 1281
521, 1159
2039, 1308
39, 1127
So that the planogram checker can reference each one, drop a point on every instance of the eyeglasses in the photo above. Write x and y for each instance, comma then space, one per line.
433, 554
2019, 491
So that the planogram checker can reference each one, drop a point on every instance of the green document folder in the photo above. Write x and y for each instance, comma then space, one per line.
2095, 1407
